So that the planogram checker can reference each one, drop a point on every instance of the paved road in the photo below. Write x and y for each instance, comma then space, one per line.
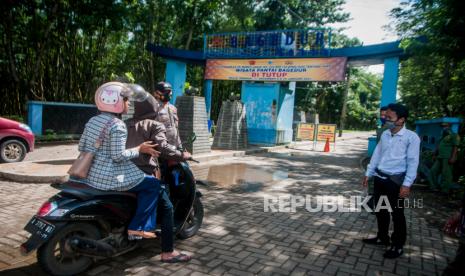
53, 151
69, 150
239, 238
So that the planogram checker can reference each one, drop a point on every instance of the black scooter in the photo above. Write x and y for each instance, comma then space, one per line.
81, 224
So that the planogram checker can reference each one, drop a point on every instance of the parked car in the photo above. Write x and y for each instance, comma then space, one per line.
16, 140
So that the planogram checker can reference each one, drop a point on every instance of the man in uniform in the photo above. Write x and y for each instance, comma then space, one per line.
168, 114
445, 157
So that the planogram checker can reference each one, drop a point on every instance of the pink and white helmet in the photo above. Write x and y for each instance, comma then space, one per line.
109, 97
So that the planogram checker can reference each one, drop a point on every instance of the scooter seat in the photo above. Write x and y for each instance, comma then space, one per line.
86, 192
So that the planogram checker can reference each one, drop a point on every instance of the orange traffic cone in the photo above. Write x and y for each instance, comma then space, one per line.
326, 145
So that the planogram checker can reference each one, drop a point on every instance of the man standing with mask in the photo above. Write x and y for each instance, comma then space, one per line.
168, 114
394, 166
445, 155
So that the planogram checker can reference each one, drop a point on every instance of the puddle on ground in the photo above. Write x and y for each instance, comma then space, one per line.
238, 177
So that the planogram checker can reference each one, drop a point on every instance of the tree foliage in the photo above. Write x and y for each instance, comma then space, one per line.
432, 80
63, 50
326, 99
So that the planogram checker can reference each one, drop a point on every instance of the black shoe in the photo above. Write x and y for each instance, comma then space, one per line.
377, 241
393, 252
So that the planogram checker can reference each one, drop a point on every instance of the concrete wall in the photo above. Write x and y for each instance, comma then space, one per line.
269, 110
261, 123
193, 119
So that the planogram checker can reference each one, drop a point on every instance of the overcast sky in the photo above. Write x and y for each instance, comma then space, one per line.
367, 20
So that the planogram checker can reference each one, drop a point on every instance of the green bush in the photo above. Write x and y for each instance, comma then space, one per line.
17, 118
57, 137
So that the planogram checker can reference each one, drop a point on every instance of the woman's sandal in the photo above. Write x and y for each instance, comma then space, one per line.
181, 258
138, 235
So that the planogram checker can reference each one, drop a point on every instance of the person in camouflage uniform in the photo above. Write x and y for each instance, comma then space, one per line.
445, 157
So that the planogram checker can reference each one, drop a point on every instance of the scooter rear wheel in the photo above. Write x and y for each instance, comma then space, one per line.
56, 258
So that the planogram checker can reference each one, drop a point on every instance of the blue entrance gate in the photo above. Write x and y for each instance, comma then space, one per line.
280, 131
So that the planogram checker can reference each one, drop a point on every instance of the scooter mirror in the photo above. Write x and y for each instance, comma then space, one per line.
192, 138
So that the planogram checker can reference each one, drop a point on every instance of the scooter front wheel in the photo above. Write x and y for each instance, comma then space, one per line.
57, 258
193, 222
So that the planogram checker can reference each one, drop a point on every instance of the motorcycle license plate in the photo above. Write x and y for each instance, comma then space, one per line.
40, 229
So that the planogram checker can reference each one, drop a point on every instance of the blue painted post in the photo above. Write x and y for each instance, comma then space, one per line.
34, 117
286, 111
176, 75
208, 88
391, 74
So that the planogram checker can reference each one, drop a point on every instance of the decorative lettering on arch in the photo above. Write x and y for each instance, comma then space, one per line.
286, 43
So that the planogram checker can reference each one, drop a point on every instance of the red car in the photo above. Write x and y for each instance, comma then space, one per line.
16, 139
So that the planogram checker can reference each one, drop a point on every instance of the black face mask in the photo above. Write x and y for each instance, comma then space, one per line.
166, 98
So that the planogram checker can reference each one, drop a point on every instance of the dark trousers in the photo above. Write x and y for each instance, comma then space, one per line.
167, 222
147, 200
389, 189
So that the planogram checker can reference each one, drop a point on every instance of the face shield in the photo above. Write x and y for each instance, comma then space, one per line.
135, 92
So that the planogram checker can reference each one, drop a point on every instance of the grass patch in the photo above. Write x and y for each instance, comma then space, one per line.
53, 137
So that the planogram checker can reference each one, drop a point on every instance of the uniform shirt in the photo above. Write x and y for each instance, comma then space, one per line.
168, 116
111, 168
395, 154
447, 144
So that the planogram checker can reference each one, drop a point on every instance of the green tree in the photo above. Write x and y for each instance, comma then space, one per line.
52, 49
363, 100
284, 14
432, 79
63, 50
251, 15
326, 99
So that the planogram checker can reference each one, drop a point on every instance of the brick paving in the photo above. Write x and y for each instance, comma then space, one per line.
239, 238
53, 151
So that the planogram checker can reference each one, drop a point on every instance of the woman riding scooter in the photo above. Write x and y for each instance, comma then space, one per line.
111, 168
94, 217
142, 128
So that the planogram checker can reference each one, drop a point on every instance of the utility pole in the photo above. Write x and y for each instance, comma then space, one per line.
344, 103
